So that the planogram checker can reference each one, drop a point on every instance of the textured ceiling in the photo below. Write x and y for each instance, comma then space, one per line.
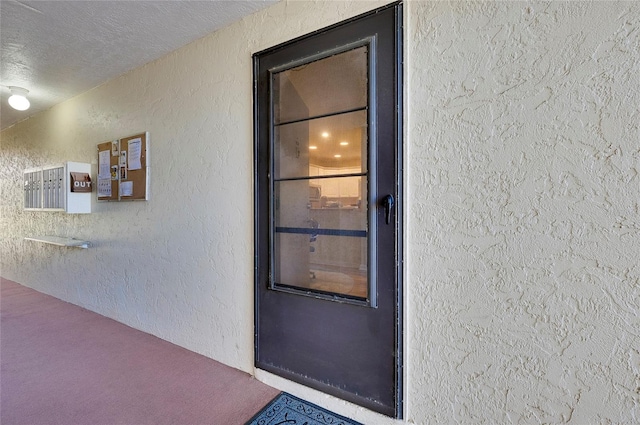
59, 49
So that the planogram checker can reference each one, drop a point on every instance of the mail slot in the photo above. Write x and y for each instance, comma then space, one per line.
80, 182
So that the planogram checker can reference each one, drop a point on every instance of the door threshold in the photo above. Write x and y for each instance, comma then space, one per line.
328, 401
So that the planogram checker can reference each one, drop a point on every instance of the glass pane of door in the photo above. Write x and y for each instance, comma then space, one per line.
331, 145
322, 247
320, 233
332, 84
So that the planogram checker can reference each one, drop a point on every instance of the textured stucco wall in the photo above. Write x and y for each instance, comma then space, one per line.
524, 212
523, 216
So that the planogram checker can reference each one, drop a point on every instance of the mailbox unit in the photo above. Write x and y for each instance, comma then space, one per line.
51, 188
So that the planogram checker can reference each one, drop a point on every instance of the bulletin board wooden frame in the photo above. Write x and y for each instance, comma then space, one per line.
128, 161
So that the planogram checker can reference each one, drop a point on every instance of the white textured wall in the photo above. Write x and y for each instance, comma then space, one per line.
523, 236
524, 212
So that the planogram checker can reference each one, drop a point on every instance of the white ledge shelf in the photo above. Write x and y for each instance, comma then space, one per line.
60, 241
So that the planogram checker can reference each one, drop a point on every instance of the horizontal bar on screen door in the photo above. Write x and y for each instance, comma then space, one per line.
326, 232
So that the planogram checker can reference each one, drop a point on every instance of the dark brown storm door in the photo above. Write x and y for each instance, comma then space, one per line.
328, 229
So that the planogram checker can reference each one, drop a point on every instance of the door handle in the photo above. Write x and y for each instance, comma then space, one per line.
388, 202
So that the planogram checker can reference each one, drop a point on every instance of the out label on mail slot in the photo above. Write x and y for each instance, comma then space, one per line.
80, 182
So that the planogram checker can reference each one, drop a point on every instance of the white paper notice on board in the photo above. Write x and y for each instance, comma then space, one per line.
126, 189
135, 148
104, 170
104, 186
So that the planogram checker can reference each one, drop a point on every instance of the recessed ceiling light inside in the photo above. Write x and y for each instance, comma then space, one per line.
313, 147
325, 134
344, 143
18, 99
337, 156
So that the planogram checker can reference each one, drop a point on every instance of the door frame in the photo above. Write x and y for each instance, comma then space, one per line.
399, 216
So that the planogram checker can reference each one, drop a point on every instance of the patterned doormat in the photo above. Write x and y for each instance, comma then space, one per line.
288, 409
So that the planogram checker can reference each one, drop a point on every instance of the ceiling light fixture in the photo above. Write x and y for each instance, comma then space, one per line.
344, 143
337, 156
18, 99
313, 147
325, 134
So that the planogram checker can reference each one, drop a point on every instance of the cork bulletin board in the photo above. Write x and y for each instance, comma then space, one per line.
123, 169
